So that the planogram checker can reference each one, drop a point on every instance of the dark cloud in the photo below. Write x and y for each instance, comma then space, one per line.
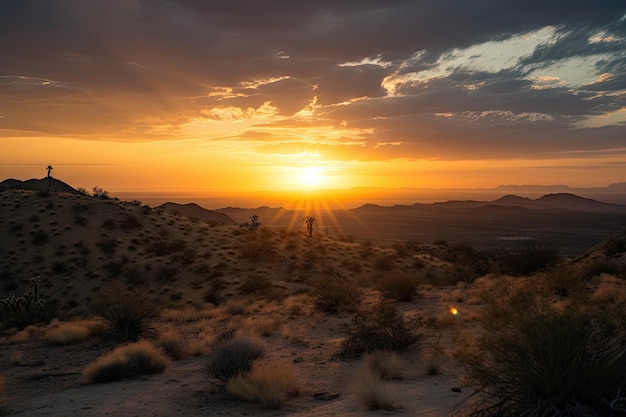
119, 68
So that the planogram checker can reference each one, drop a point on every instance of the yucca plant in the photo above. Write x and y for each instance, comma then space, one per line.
129, 315
548, 362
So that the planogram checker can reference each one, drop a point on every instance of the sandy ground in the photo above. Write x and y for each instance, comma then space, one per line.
44, 379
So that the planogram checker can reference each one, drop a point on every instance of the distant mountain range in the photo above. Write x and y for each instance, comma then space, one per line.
565, 201
193, 210
572, 222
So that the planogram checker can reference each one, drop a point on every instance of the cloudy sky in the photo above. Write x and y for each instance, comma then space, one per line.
242, 94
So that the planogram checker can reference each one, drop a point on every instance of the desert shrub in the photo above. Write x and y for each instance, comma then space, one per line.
59, 267
107, 245
385, 365
373, 393
382, 328
400, 286
384, 263
597, 267
129, 315
267, 382
233, 357
99, 193
67, 333
467, 263
165, 246
251, 226
401, 248
256, 246
562, 281
333, 294
526, 259
173, 345
548, 362
166, 272
255, 284
108, 224
16, 227
30, 308
506, 299
130, 222
141, 358
40, 238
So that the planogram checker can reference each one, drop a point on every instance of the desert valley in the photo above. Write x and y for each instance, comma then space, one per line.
116, 308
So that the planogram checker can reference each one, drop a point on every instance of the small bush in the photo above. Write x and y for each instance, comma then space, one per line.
383, 328
107, 245
234, 357
385, 365
67, 333
173, 345
373, 393
40, 238
526, 259
20, 312
267, 382
549, 362
384, 263
164, 246
333, 294
255, 284
139, 358
128, 315
400, 287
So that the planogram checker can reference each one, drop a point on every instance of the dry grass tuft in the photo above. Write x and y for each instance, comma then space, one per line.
67, 333
382, 328
334, 294
400, 286
134, 359
267, 382
268, 326
173, 345
385, 365
373, 393
233, 357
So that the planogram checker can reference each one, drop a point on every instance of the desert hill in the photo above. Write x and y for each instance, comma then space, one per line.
571, 223
56, 185
193, 210
217, 281
76, 242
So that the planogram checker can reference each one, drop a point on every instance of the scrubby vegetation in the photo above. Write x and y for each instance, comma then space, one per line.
234, 357
333, 294
267, 382
374, 393
400, 286
128, 314
536, 357
67, 333
141, 358
536, 334
24, 310
382, 328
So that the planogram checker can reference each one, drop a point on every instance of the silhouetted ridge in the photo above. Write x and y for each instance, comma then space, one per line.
56, 186
195, 211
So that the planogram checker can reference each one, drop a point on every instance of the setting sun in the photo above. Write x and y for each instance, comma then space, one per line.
311, 177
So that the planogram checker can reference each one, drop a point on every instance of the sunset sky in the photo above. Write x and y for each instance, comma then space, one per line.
210, 96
